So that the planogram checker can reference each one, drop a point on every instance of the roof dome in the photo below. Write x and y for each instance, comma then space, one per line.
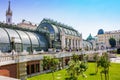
90, 37
100, 31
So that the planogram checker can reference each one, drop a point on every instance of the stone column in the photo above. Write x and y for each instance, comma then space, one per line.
22, 71
74, 43
77, 44
63, 42
71, 44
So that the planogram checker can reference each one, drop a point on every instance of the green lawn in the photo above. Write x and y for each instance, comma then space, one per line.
62, 74
118, 55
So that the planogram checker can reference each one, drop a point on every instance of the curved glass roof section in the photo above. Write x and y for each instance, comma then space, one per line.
46, 26
58, 27
86, 44
55, 29
13, 34
33, 38
24, 37
42, 40
4, 38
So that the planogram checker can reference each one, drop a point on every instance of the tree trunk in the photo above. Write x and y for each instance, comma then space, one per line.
53, 75
101, 76
96, 68
108, 73
105, 76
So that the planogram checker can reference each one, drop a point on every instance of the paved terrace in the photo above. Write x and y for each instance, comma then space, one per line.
115, 60
7, 78
8, 58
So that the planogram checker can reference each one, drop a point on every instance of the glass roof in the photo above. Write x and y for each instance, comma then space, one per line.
55, 29
65, 31
60, 29
33, 38
43, 42
13, 33
3, 36
85, 44
68, 31
46, 26
24, 37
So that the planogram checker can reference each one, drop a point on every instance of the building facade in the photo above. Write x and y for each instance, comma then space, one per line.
46, 35
103, 38
27, 25
61, 36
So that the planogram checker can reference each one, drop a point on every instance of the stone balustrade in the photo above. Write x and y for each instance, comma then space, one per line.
6, 58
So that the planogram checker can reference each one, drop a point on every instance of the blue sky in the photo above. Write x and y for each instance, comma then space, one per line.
87, 16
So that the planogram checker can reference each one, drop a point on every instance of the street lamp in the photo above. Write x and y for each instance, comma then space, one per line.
13, 43
13, 46
13, 51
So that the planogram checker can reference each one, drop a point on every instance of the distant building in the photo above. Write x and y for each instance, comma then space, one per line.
86, 45
91, 40
103, 38
9, 15
27, 25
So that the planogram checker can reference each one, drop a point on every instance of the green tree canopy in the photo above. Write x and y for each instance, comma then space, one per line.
51, 63
76, 67
104, 63
112, 42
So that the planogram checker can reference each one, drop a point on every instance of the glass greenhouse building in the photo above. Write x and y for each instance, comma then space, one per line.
23, 40
48, 34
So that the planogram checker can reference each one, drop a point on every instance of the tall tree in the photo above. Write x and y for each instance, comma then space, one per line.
104, 63
76, 67
112, 42
51, 63
96, 58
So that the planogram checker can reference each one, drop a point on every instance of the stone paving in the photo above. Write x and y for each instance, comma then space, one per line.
115, 60
7, 78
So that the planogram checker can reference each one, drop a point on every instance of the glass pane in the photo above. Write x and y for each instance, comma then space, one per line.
4, 36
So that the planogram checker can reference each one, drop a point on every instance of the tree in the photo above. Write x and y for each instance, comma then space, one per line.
96, 58
112, 42
76, 67
51, 63
45, 64
104, 63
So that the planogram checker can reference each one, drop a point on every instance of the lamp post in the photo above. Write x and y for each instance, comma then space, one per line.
13, 43
13, 46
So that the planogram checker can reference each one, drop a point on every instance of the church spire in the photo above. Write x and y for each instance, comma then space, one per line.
9, 6
9, 14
